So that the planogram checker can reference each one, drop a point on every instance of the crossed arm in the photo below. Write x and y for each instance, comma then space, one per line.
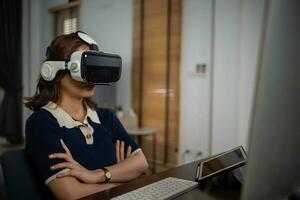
78, 181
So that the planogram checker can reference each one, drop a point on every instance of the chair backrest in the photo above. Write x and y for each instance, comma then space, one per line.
20, 183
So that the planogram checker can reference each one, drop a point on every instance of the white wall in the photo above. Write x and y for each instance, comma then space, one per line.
37, 33
237, 38
109, 22
47, 23
31, 54
225, 75
194, 89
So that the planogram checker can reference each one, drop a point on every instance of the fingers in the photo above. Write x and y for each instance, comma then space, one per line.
67, 156
122, 150
65, 147
128, 151
64, 165
68, 173
63, 156
118, 150
60, 155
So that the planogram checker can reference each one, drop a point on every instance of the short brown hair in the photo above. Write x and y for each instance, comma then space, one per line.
64, 46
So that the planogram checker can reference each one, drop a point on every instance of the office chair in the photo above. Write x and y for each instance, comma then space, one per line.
20, 183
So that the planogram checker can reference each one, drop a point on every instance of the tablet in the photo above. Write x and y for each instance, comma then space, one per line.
221, 163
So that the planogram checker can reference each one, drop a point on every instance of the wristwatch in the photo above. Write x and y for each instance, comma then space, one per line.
107, 175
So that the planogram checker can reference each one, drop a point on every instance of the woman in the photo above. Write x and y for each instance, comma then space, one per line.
75, 148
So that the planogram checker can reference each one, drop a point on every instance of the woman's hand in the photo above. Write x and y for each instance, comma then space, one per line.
120, 149
76, 170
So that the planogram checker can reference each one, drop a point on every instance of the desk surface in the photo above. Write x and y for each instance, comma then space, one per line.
186, 171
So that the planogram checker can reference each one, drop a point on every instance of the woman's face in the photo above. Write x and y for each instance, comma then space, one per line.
75, 88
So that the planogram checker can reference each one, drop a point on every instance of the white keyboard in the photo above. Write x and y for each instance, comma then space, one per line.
167, 188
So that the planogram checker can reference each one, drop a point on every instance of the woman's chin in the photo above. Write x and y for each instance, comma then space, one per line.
89, 92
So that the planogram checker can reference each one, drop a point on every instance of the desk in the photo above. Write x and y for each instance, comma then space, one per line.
185, 171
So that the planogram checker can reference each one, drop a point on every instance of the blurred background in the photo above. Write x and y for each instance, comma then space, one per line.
188, 76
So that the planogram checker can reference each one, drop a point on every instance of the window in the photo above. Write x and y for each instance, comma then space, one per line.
70, 25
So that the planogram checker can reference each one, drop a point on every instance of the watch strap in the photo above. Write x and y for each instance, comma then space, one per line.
107, 179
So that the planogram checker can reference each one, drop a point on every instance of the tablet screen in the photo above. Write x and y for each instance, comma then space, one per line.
222, 162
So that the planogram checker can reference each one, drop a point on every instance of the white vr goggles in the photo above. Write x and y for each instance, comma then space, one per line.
86, 66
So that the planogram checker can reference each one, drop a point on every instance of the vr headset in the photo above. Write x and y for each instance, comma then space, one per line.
92, 66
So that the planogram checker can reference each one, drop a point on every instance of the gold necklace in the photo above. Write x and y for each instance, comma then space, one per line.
81, 119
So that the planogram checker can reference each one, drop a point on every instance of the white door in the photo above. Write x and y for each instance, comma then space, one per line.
220, 42
195, 82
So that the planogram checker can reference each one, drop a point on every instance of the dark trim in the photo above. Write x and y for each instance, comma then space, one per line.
167, 103
141, 65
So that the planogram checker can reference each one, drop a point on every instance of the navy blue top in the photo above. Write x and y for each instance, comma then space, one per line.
43, 134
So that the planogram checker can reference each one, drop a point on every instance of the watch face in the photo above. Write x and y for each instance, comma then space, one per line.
108, 175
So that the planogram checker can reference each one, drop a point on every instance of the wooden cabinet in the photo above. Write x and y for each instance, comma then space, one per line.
155, 75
